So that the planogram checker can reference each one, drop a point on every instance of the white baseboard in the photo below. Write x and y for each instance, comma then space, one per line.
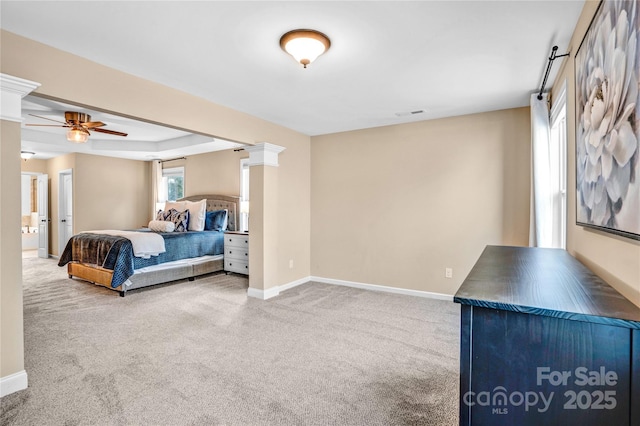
13, 383
295, 283
275, 291
384, 288
263, 294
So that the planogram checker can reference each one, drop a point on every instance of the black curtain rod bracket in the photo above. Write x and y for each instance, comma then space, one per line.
546, 74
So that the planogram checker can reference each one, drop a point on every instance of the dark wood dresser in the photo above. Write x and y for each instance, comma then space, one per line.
545, 341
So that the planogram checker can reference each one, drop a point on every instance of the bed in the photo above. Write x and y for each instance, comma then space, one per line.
108, 260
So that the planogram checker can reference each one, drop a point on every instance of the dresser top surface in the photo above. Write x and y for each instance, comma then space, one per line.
544, 282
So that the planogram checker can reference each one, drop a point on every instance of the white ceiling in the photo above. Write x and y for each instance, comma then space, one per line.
386, 58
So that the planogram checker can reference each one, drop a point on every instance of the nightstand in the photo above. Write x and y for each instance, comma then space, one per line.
236, 252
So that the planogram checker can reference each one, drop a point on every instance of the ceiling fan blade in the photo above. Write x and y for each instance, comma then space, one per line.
110, 132
93, 124
45, 118
47, 125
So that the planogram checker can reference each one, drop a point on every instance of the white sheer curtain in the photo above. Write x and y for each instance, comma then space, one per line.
159, 195
541, 211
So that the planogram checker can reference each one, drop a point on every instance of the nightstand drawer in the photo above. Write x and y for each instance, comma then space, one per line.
231, 240
239, 266
240, 253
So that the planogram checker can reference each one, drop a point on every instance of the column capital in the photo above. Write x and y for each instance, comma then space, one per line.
264, 154
12, 90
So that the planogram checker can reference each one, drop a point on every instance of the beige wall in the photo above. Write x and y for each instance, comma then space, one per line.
213, 173
292, 212
11, 329
33, 166
614, 259
396, 205
110, 193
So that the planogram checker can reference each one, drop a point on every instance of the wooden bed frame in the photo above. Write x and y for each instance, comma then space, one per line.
172, 271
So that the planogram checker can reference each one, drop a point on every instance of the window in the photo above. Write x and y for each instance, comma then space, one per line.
558, 167
244, 194
172, 186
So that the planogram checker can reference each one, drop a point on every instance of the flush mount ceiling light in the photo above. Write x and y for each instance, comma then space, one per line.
25, 155
305, 45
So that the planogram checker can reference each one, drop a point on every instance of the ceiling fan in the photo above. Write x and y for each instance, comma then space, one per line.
79, 125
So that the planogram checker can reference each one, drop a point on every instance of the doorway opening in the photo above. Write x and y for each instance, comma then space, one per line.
65, 208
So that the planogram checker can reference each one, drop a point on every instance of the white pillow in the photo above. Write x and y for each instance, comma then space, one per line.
178, 205
162, 226
197, 214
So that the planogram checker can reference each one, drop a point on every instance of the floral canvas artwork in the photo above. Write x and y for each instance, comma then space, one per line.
608, 121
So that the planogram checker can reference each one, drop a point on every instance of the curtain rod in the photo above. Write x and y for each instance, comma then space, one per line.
173, 159
546, 74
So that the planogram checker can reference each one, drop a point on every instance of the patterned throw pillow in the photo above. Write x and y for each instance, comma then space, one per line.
181, 219
161, 215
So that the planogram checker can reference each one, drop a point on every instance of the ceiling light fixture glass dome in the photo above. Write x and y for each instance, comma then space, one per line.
305, 45
25, 155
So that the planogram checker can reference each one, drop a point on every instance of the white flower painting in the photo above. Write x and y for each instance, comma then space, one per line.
608, 114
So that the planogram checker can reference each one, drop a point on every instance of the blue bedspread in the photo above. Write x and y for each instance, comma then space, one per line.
120, 258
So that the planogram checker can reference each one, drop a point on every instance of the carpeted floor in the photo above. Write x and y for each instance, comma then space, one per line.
201, 352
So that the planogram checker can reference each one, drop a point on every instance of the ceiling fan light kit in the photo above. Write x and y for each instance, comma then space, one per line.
77, 134
79, 125
305, 45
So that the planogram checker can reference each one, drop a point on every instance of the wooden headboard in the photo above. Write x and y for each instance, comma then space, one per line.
220, 202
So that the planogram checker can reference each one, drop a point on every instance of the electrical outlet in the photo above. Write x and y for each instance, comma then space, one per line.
448, 273
290, 263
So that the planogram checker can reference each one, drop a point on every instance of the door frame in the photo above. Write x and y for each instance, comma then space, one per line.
61, 207
44, 223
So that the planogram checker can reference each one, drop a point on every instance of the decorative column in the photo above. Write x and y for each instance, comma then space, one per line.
263, 220
13, 377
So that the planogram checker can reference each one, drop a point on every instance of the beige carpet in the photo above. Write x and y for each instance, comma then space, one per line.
201, 352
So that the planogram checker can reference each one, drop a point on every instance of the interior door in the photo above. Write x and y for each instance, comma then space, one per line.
66, 216
43, 216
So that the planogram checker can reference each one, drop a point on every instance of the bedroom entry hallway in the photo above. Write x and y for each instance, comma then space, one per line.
202, 352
